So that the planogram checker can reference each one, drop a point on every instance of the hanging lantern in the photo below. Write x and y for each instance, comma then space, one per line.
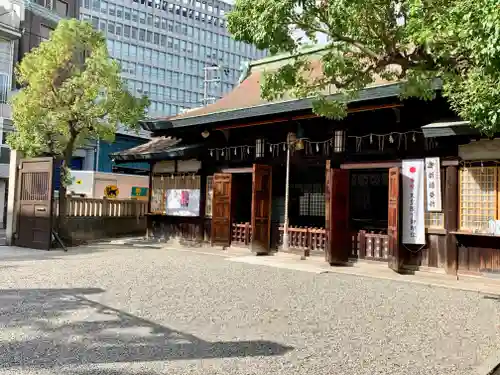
413, 138
222, 153
248, 150
317, 147
391, 139
299, 145
211, 153
271, 148
371, 138
235, 151
284, 147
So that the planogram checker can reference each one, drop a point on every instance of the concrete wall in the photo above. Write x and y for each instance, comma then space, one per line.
83, 229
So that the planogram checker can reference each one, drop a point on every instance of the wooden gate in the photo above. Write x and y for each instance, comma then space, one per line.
395, 258
221, 209
338, 245
35, 203
261, 209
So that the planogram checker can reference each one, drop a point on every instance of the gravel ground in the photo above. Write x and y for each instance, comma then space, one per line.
149, 311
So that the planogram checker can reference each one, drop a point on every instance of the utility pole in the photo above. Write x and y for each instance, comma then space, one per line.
212, 76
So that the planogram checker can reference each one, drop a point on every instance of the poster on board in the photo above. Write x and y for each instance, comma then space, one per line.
413, 225
183, 202
433, 184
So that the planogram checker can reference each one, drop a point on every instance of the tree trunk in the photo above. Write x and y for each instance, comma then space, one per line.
63, 208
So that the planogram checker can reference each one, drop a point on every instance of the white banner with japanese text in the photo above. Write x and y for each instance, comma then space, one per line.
413, 224
433, 184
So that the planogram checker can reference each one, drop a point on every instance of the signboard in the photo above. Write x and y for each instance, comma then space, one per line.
413, 225
433, 184
183, 202
140, 193
111, 191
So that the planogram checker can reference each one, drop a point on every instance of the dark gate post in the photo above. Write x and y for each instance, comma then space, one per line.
451, 219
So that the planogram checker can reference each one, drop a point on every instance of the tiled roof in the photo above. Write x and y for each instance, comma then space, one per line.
163, 148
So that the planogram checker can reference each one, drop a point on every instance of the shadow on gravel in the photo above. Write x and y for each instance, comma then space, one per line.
54, 327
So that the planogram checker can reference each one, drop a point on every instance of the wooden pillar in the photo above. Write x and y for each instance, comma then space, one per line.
203, 198
450, 209
149, 221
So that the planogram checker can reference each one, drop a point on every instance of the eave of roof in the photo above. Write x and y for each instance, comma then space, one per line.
449, 129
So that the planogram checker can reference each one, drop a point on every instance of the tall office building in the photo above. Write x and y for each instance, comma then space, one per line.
177, 52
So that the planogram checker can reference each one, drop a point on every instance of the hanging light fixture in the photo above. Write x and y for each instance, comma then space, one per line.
205, 133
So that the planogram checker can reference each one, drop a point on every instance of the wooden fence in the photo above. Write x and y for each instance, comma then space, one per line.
102, 207
304, 239
370, 245
241, 234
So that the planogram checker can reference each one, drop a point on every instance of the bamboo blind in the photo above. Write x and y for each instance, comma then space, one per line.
163, 183
478, 197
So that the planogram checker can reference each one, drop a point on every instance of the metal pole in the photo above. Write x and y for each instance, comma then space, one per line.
287, 188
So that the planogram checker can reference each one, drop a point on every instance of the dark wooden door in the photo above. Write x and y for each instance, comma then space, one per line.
337, 216
35, 203
221, 209
395, 259
261, 209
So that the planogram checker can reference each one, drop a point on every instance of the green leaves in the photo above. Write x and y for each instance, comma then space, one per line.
412, 41
71, 93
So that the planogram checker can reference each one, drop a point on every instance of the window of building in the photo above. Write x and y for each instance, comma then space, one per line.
156, 39
150, 20
163, 40
45, 31
135, 15
104, 7
111, 27
112, 9
164, 24
479, 187
96, 5
4, 88
86, 4
119, 12
157, 22
134, 32
126, 14
126, 31
142, 18
142, 35
149, 37
178, 10
61, 8
164, 5
171, 8
118, 29
95, 22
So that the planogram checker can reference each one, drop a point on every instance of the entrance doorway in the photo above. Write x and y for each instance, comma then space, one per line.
233, 200
369, 198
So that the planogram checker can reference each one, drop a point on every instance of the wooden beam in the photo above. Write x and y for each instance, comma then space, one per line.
237, 170
304, 117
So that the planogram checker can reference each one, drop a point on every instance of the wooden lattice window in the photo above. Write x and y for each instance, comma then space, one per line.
478, 197
435, 220
208, 201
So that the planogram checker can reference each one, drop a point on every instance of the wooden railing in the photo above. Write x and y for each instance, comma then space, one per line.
241, 234
370, 245
102, 207
304, 239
